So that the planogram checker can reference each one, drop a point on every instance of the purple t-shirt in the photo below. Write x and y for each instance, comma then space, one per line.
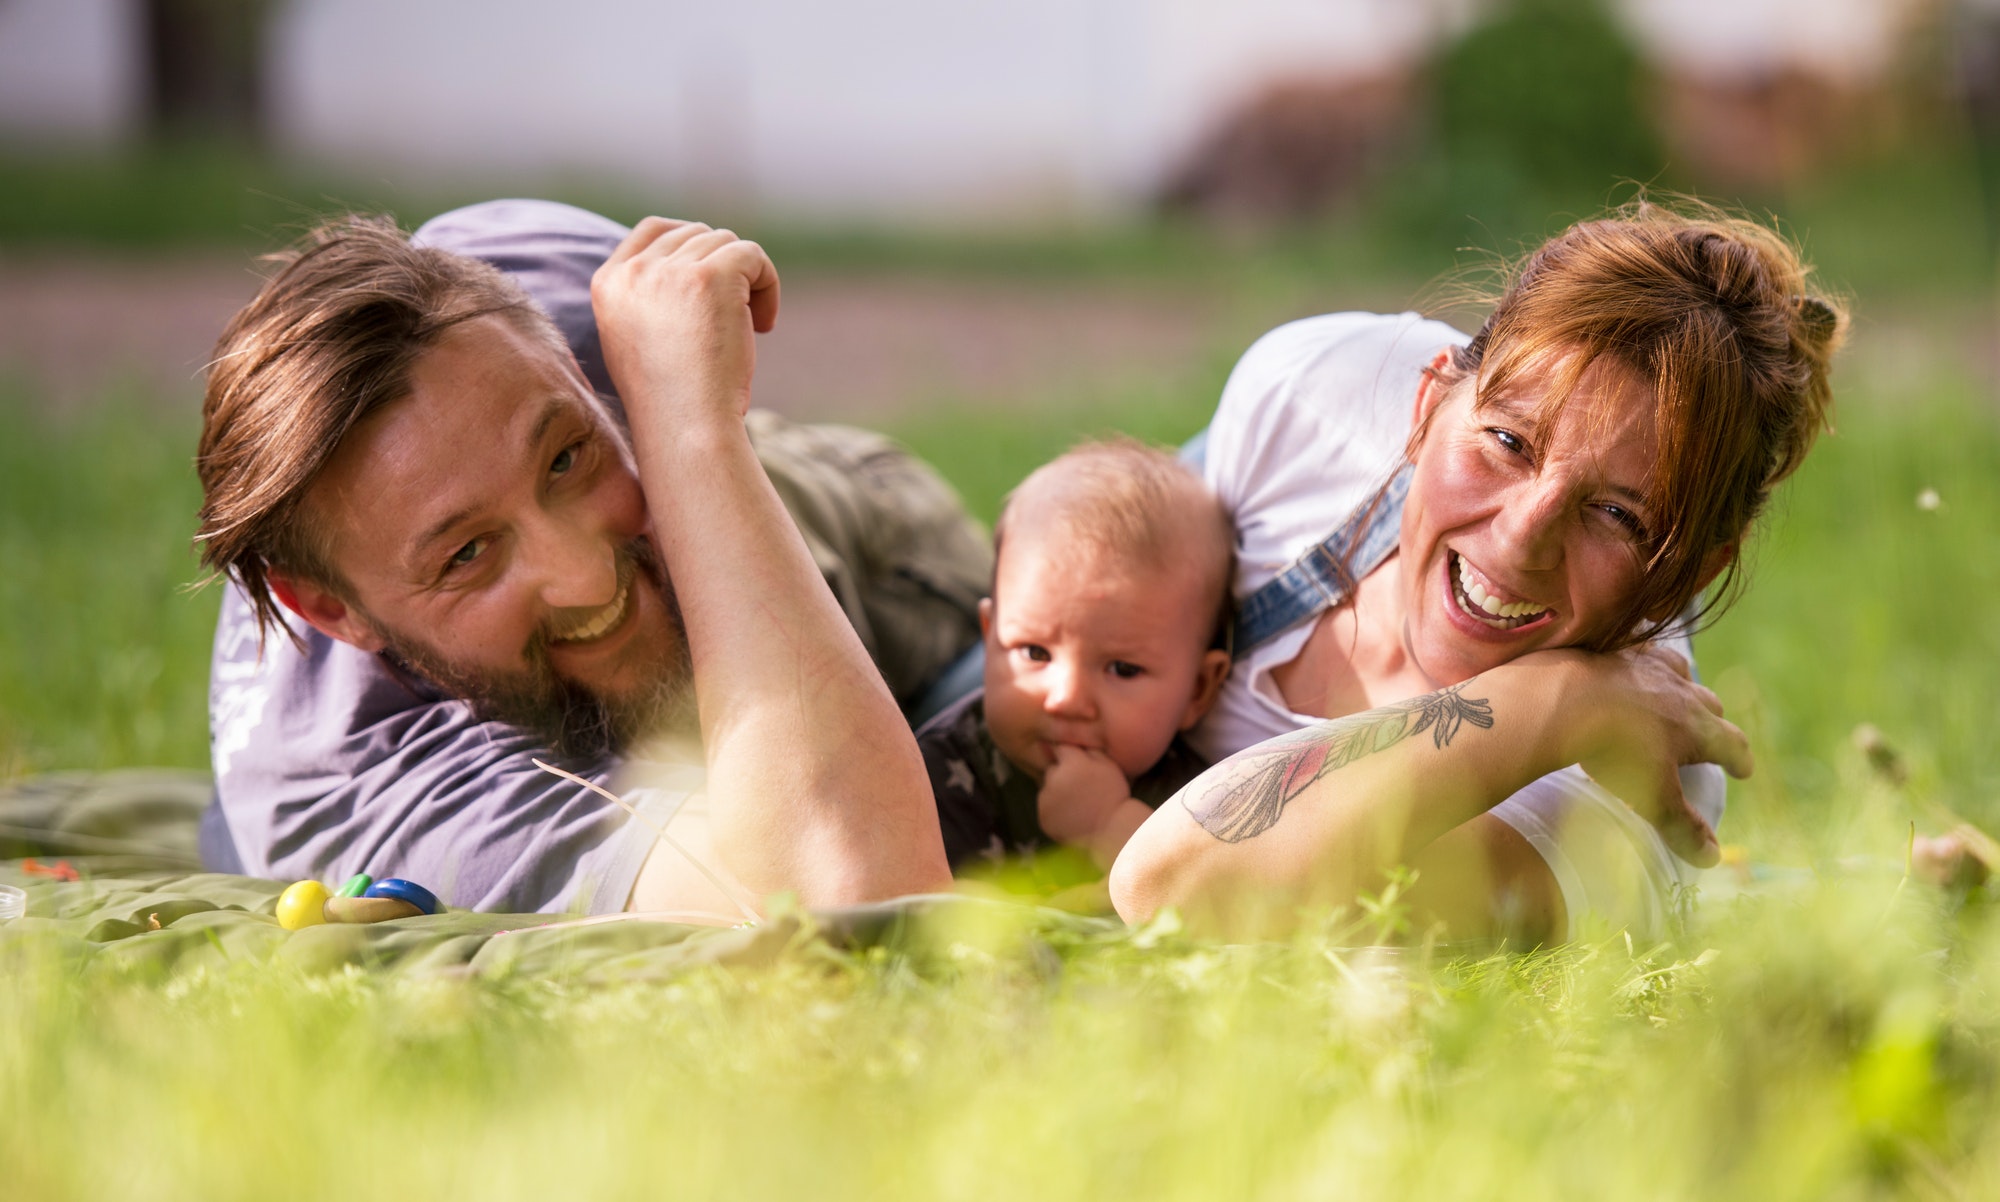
330, 762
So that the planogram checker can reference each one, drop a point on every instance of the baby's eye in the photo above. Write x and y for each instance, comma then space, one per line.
1033, 651
1125, 669
466, 554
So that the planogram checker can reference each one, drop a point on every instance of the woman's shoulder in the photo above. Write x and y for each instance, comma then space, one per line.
1338, 376
1352, 348
1311, 418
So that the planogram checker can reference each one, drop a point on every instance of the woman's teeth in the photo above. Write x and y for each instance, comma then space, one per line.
600, 625
1476, 601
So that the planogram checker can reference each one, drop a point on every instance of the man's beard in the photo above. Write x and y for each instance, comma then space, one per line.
576, 722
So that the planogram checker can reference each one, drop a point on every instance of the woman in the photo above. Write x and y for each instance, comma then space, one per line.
1523, 525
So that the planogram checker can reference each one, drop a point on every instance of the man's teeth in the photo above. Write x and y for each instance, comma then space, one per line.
602, 623
1469, 588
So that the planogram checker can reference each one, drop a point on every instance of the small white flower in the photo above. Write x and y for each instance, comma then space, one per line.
1928, 500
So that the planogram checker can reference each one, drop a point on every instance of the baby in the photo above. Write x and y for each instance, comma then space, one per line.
1104, 639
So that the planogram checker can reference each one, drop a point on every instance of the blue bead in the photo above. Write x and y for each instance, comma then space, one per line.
402, 890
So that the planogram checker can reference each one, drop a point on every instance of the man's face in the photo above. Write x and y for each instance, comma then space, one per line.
490, 532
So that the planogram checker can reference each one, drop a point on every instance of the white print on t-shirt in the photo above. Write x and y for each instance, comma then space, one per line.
238, 697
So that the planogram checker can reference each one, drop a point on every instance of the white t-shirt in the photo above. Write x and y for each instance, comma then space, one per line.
1312, 422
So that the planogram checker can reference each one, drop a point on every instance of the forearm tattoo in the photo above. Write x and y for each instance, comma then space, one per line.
1249, 799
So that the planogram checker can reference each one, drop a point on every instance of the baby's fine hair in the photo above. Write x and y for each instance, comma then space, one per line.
1134, 503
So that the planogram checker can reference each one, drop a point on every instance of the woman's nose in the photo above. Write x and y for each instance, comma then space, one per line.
1531, 524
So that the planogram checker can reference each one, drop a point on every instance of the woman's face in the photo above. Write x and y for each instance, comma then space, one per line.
1518, 536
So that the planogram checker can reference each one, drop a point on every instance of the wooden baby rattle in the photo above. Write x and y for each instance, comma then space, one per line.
361, 899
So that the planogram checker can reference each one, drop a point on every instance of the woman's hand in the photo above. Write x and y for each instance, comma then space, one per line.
1642, 716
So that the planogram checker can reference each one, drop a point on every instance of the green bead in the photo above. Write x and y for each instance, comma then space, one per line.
356, 885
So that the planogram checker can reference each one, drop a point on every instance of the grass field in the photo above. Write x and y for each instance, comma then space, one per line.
1832, 1034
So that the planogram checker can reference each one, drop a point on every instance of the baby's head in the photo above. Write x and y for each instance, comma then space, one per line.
1110, 595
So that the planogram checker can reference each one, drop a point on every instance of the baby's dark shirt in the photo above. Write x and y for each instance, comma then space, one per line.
986, 806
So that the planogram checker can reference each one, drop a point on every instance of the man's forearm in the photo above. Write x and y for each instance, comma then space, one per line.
815, 782
818, 784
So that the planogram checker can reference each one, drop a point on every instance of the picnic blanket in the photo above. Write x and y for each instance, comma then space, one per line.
113, 884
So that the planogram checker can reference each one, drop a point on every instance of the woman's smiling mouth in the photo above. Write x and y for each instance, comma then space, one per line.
1476, 603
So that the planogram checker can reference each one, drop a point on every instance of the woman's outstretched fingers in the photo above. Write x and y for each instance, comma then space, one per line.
1730, 747
1683, 828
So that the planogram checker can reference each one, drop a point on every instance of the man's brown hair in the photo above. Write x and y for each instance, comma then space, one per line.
332, 336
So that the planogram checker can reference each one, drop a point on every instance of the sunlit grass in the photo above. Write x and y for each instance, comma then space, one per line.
1825, 1043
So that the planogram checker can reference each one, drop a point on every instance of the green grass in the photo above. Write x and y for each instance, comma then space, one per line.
1833, 1038
103, 656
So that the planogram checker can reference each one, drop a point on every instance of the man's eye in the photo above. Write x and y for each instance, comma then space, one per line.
566, 459
466, 554
1125, 669
1034, 651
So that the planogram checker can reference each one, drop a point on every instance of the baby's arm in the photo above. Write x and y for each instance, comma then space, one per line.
1087, 801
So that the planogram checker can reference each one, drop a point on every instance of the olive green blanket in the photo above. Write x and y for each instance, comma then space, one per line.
108, 863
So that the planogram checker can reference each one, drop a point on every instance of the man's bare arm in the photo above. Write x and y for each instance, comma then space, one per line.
815, 782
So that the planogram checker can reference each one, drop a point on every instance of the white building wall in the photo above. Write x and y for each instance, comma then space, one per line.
935, 108
70, 71
972, 107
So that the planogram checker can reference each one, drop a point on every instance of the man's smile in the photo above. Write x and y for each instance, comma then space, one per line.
603, 622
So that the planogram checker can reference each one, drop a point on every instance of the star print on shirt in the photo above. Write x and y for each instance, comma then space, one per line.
959, 776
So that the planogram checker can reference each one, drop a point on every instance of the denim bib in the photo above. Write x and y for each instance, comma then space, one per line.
1322, 577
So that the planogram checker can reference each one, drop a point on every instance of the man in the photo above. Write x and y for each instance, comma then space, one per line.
446, 559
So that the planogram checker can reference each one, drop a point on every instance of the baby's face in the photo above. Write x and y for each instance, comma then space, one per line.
1086, 650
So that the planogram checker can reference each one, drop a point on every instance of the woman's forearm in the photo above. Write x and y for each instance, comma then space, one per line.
1319, 817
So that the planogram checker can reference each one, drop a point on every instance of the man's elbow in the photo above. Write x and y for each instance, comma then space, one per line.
836, 872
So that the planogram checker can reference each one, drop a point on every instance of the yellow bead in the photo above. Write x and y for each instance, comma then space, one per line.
302, 905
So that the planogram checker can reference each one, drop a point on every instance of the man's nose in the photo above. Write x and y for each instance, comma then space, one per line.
1068, 694
574, 568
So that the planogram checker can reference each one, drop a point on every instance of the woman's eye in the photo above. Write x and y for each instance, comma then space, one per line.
466, 554
1124, 669
1627, 519
1509, 441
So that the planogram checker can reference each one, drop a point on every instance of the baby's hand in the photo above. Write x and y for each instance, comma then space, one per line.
1079, 791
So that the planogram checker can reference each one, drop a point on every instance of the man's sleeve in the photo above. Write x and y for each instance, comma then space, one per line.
328, 763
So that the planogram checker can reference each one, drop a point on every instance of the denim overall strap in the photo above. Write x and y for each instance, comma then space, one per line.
1316, 581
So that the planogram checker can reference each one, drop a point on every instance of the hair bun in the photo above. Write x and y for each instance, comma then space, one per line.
1817, 319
